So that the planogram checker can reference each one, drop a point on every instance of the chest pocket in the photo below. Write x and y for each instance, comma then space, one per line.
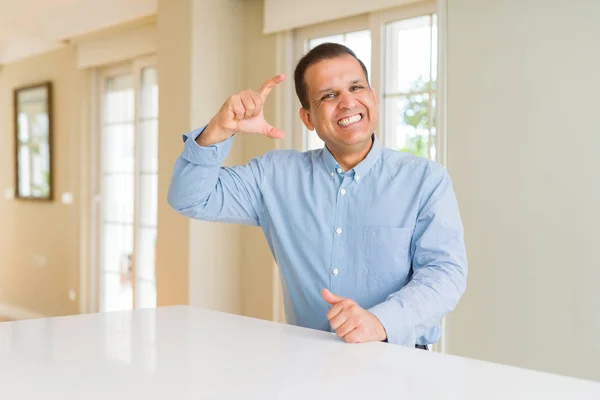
386, 253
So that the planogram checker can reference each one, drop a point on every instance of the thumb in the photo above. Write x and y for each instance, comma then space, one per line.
272, 132
330, 297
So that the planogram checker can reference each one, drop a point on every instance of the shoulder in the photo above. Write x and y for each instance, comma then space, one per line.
287, 159
401, 163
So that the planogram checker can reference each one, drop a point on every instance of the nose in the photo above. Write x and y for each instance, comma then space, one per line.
347, 100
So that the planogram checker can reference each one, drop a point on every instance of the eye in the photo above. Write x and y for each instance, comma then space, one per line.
328, 96
355, 88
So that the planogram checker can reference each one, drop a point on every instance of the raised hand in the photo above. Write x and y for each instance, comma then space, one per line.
242, 113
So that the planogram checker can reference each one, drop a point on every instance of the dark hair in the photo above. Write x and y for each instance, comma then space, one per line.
322, 52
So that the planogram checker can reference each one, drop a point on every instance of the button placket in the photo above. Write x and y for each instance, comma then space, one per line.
338, 256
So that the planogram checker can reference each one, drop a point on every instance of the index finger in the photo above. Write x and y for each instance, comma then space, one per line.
266, 88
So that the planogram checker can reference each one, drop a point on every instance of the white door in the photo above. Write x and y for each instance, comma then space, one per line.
128, 181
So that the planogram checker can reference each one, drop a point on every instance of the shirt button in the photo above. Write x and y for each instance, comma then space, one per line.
357, 177
340, 170
338, 230
343, 191
336, 271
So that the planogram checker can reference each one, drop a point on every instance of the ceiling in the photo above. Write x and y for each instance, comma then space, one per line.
30, 27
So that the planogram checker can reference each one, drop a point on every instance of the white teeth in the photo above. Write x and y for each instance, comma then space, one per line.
350, 120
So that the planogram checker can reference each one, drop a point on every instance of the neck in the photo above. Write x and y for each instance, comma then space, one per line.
350, 159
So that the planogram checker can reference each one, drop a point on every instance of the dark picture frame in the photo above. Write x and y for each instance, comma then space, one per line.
33, 121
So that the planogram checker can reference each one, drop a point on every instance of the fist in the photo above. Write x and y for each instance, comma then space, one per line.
351, 322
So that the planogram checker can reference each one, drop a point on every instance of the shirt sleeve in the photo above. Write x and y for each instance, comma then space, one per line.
202, 188
439, 268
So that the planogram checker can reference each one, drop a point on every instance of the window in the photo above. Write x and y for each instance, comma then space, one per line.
128, 187
409, 85
118, 126
148, 189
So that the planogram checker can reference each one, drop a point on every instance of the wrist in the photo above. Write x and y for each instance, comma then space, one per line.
213, 134
381, 332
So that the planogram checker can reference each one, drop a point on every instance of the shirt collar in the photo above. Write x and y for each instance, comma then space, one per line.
362, 168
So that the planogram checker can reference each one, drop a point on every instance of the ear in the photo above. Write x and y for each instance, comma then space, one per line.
305, 117
374, 95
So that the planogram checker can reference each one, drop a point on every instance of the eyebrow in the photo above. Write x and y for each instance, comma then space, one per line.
352, 82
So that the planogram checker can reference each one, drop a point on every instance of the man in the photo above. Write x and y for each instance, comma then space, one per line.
369, 240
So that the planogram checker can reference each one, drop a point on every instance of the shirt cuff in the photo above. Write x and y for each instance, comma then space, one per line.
396, 322
207, 156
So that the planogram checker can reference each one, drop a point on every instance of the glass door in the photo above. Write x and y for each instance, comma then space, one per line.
128, 187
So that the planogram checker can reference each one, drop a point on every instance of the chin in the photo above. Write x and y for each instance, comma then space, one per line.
354, 137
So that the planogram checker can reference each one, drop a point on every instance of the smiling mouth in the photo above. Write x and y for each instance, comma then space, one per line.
344, 122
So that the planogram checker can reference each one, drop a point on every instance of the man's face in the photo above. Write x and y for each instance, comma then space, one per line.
343, 109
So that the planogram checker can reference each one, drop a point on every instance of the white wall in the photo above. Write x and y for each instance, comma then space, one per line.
114, 48
216, 73
282, 15
39, 264
256, 268
523, 144
174, 25
209, 50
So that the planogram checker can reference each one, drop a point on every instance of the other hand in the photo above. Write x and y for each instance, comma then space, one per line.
351, 322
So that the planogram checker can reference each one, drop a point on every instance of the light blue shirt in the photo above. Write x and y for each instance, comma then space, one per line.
387, 234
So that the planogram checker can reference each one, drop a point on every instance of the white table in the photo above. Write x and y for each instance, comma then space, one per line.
188, 353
